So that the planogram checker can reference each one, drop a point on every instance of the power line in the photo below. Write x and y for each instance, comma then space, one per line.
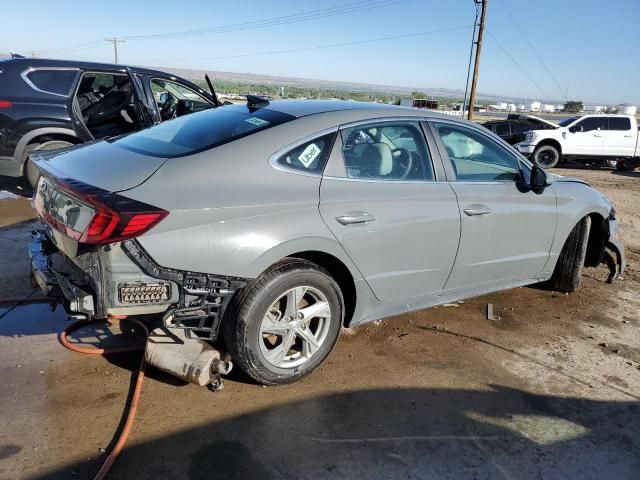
515, 22
318, 47
274, 21
263, 23
515, 62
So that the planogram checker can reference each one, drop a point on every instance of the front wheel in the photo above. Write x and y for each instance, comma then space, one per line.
546, 156
285, 323
568, 272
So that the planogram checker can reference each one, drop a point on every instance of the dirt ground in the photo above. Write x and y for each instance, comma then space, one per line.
549, 390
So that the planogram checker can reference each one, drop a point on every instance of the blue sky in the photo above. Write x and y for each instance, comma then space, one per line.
593, 47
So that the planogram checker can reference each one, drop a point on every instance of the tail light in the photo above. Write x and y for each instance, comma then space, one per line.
5, 104
115, 217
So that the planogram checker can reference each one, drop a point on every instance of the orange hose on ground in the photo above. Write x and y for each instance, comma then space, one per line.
133, 406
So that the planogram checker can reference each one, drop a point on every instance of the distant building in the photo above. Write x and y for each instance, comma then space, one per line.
535, 106
419, 103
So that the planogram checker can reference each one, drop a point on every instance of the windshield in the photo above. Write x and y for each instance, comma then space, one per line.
568, 121
201, 131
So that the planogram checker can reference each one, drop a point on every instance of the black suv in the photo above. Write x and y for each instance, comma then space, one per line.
53, 104
512, 129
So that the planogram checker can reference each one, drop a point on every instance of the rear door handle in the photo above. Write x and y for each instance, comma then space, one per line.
599, 136
628, 136
477, 209
353, 218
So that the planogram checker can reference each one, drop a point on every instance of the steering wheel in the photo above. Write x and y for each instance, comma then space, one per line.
168, 108
402, 160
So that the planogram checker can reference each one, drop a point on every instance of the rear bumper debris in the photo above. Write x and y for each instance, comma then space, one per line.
77, 298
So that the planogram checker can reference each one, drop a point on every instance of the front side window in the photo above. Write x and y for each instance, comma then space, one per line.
475, 157
593, 123
174, 100
387, 151
309, 157
619, 123
58, 82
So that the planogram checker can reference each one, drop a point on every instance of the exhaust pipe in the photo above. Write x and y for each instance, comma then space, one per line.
190, 359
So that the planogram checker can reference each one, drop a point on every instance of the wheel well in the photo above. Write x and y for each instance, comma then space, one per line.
553, 143
598, 235
48, 137
340, 273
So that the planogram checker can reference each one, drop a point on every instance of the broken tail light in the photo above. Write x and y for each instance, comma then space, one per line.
113, 218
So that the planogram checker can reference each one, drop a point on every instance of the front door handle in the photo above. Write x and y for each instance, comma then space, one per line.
353, 218
477, 209
599, 136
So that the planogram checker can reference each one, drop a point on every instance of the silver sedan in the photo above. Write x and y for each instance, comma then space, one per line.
275, 224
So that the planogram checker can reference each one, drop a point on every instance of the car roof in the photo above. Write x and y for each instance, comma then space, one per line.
52, 63
302, 108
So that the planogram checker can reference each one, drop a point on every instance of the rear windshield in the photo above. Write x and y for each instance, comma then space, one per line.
201, 131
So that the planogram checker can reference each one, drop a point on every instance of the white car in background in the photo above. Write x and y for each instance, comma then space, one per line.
611, 138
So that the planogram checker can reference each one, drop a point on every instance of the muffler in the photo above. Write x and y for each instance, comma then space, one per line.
190, 359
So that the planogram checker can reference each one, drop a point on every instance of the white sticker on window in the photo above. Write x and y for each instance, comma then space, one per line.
257, 121
309, 154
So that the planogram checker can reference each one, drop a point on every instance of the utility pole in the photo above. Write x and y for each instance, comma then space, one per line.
115, 42
476, 67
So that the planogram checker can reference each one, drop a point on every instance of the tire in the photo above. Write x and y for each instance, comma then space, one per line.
611, 163
30, 171
568, 272
264, 305
626, 165
546, 156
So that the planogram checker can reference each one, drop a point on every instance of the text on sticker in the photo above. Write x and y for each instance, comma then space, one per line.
309, 154
256, 121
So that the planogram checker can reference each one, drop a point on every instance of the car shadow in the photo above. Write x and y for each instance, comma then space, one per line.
635, 174
426, 433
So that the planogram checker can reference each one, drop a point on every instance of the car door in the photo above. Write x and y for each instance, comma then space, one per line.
619, 138
586, 137
390, 209
506, 231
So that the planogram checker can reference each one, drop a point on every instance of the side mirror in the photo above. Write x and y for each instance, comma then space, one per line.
540, 179
163, 97
576, 128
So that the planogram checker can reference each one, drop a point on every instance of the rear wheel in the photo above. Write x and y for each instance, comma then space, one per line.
568, 273
626, 165
30, 171
546, 156
285, 323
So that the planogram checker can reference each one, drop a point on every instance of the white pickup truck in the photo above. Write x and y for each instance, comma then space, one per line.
613, 139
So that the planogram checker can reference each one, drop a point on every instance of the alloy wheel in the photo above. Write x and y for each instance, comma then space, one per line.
295, 327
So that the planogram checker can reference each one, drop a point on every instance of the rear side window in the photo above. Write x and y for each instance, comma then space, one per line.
619, 123
201, 131
58, 82
309, 157
503, 129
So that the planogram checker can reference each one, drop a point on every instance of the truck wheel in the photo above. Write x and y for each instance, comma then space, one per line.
284, 323
612, 163
626, 165
546, 156
30, 171
568, 273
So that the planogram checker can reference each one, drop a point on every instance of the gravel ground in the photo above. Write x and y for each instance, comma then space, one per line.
551, 389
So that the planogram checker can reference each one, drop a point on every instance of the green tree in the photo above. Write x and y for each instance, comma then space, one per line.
573, 106
418, 95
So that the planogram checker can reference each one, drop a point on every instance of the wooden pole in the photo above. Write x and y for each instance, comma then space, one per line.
476, 67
